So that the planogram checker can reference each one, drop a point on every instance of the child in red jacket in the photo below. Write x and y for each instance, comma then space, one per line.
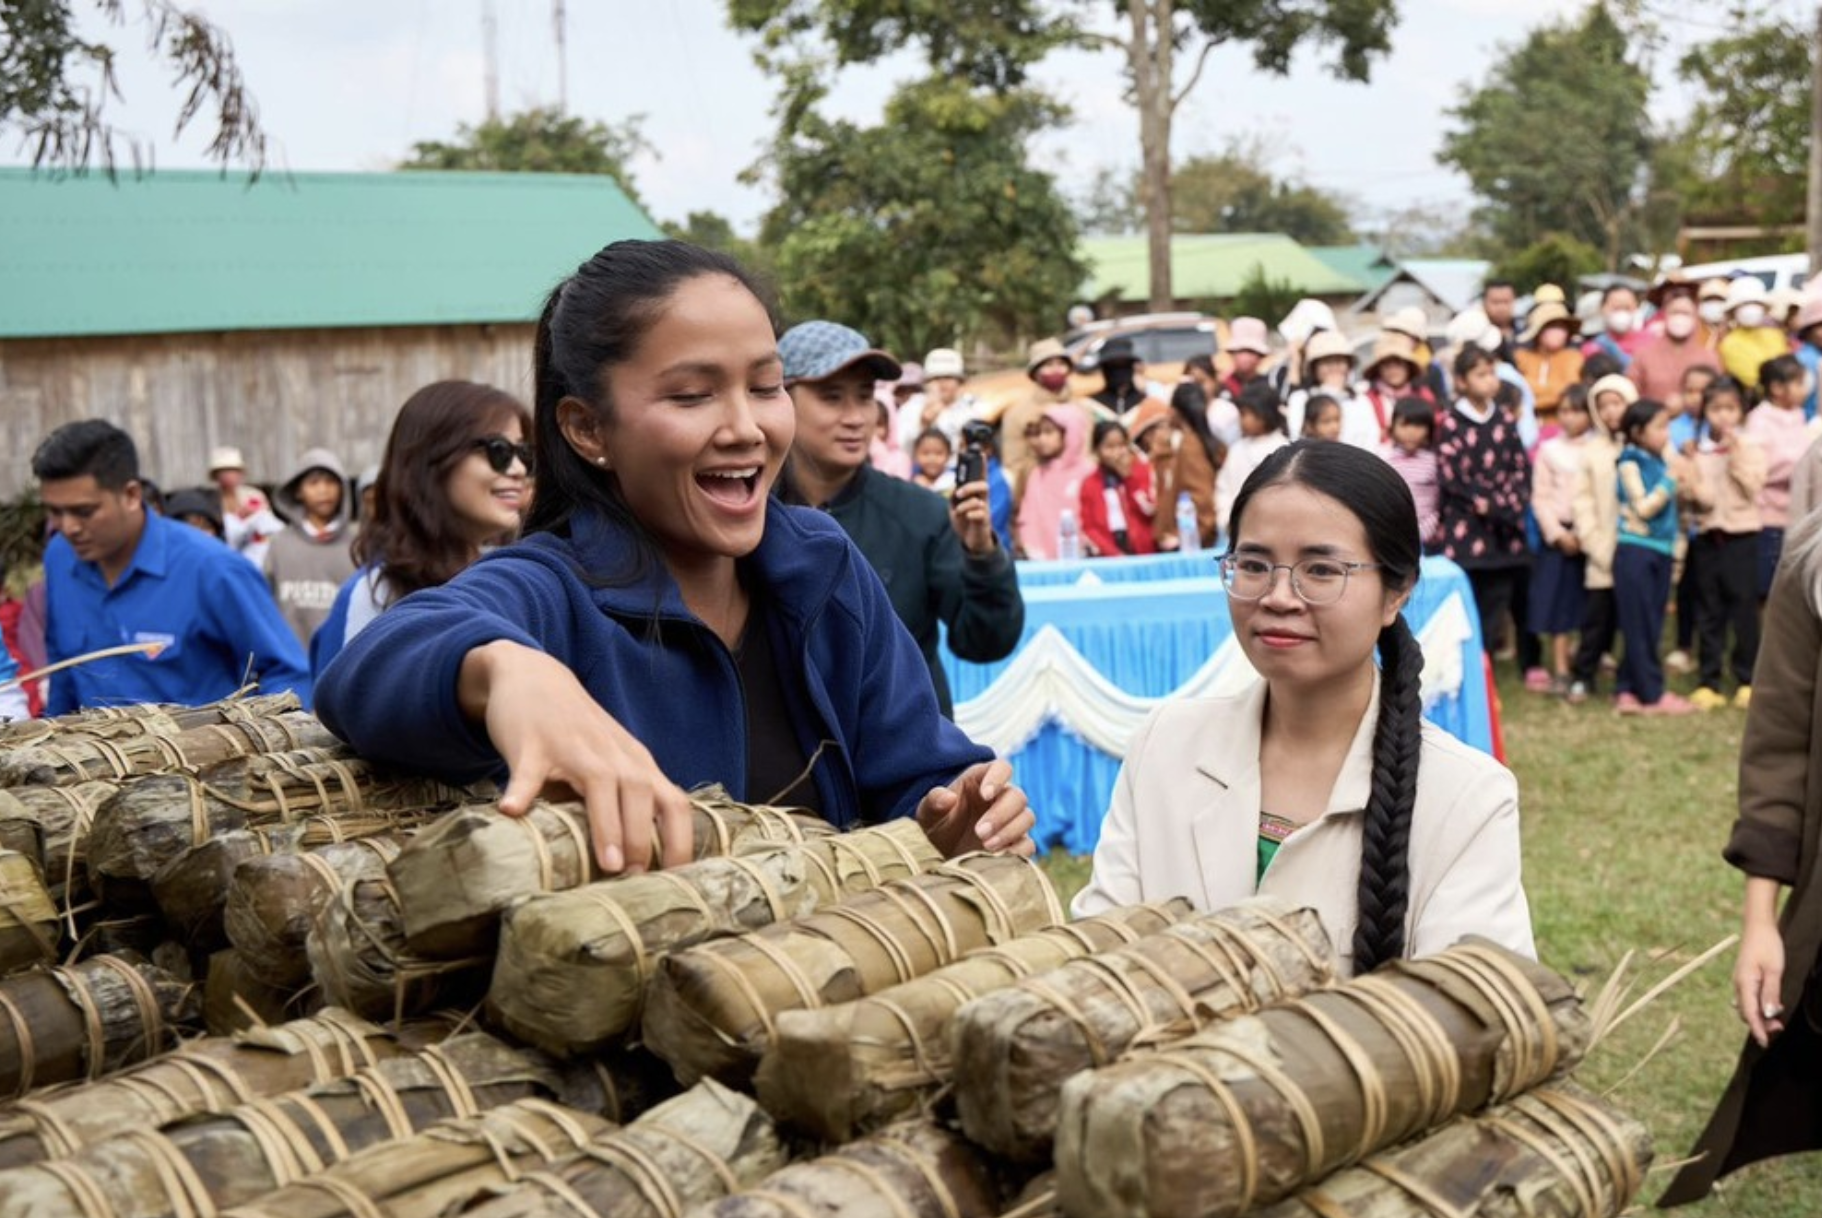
1117, 501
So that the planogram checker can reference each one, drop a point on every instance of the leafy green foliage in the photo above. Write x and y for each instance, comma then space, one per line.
1235, 192
1356, 30
712, 230
43, 95
1748, 135
1260, 296
1554, 259
539, 140
1558, 139
928, 227
1110, 204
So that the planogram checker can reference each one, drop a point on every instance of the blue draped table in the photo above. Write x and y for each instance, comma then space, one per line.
1147, 628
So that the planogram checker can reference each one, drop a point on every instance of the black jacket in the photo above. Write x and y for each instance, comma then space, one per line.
904, 531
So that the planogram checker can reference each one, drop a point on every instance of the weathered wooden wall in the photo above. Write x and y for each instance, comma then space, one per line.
272, 394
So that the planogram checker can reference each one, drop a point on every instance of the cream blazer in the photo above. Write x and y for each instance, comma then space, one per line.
1185, 822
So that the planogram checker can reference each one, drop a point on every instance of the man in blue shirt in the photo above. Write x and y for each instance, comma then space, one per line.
118, 574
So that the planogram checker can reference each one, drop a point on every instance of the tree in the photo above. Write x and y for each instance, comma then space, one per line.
714, 231
1554, 259
62, 117
994, 44
927, 227
1235, 192
1748, 135
539, 140
1558, 140
1159, 29
1260, 296
1110, 205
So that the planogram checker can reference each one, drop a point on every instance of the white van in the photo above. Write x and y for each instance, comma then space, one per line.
1774, 271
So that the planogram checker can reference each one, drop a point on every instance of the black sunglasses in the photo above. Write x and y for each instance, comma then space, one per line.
501, 451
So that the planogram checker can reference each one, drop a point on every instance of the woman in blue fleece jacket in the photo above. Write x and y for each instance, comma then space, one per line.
665, 622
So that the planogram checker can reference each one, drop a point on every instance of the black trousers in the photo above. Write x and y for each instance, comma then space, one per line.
1530, 647
1686, 610
1726, 597
1600, 626
1494, 588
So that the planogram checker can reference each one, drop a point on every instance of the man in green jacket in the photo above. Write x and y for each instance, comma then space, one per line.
939, 559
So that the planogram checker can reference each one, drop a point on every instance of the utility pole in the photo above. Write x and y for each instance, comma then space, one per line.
1815, 151
556, 16
490, 53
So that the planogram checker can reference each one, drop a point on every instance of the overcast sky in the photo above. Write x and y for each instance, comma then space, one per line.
351, 84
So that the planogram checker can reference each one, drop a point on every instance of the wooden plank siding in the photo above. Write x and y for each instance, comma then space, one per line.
271, 393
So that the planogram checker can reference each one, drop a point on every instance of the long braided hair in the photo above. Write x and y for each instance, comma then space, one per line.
1380, 499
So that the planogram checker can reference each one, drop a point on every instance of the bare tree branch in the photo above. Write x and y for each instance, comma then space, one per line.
1195, 75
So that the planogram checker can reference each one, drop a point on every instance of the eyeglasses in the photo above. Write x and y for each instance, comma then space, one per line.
1318, 581
501, 452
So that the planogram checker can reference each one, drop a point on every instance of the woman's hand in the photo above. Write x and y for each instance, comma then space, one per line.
980, 810
971, 519
1758, 971
548, 729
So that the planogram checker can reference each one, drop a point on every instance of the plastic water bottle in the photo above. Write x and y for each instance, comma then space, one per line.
1189, 533
1069, 536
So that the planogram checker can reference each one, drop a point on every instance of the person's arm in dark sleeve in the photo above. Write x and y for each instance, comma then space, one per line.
391, 693
977, 596
903, 746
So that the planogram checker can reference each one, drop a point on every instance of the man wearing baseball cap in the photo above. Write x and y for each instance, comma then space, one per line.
940, 561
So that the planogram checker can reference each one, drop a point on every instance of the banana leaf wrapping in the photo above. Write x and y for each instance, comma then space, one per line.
234, 1000
685, 1153
109, 723
914, 1169
1247, 1112
846, 1070
192, 889
572, 967
459, 876
29, 933
58, 761
1556, 1152
151, 821
711, 1010
425, 1175
207, 1074
206, 1163
87, 1020
273, 899
1013, 1049
51, 825
359, 958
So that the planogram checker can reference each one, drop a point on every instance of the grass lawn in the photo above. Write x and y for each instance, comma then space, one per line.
1624, 820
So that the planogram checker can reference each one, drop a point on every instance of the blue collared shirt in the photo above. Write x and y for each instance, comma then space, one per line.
206, 604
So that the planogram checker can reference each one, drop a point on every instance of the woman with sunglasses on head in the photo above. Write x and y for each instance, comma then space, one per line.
1321, 783
455, 479
667, 621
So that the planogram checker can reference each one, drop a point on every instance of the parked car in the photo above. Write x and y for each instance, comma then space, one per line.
1162, 341
1775, 271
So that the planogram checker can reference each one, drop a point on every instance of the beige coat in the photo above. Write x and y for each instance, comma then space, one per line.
1185, 822
1596, 505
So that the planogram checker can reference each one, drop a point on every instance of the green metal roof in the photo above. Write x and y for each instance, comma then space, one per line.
192, 250
1209, 266
1366, 263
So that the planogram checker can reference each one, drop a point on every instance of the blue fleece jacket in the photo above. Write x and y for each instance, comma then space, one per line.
855, 682
1648, 515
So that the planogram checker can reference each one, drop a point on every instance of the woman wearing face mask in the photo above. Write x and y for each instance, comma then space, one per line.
1752, 336
1711, 311
1622, 334
1047, 365
1658, 367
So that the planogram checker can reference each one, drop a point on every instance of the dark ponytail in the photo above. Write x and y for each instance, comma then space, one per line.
590, 322
1379, 498
1385, 837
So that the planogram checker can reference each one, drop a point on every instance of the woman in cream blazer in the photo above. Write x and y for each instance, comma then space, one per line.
1392, 816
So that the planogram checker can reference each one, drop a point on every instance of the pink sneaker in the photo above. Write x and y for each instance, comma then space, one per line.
1537, 680
1670, 704
1627, 704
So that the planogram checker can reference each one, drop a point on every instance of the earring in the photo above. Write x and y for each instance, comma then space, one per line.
601, 461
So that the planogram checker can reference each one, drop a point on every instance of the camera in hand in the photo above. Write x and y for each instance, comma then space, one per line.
971, 464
